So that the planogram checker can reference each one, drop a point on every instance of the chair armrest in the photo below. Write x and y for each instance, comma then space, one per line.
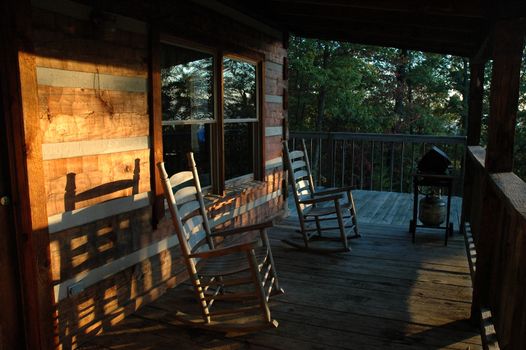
321, 199
333, 190
241, 229
236, 248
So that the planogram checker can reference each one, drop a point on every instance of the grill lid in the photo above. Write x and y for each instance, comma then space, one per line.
435, 161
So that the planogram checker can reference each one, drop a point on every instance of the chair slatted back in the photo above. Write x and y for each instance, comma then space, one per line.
300, 174
186, 205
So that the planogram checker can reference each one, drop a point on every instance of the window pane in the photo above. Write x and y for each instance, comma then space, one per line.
187, 84
239, 80
239, 149
180, 139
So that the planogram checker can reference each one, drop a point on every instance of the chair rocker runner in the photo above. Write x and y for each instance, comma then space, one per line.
233, 269
314, 207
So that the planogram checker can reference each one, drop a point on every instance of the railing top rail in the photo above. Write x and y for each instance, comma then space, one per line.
406, 138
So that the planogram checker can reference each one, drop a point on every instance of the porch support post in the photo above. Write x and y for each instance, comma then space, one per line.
508, 42
20, 89
476, 94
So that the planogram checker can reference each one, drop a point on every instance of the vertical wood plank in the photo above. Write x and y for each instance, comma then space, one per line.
24, 140
508, 41
156, 131
11, 317
219, 187
261, 126
476, 94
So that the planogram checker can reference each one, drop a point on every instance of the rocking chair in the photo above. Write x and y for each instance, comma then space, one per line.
233, 269
317, 206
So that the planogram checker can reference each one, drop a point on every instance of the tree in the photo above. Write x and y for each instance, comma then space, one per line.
349, 87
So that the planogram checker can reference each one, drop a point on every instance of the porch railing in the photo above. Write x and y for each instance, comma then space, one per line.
382, 162
495, 207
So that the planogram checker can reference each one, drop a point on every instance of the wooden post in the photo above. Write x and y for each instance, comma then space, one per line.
508, 42
476, 94
156, 131
18, 72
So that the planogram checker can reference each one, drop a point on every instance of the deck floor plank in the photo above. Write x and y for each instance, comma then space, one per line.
387, 293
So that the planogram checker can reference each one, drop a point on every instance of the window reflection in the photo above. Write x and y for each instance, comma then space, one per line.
187, 98
181, 139
239, 89
239, 150
240, 113
186, 84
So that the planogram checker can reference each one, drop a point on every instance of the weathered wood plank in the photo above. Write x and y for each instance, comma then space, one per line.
77, 114
74, 183
416, 298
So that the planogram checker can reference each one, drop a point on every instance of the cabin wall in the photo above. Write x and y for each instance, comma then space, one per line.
107, 259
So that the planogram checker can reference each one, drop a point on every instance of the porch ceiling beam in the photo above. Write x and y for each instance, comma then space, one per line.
381, 39
471, 8
369, 16
402, 31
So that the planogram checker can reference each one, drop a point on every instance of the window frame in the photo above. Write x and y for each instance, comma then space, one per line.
257, 144
219, 184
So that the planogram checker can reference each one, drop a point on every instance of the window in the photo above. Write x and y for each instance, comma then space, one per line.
240, 114
187, 97
226, 145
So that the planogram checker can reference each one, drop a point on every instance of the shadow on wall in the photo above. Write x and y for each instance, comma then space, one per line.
84, 248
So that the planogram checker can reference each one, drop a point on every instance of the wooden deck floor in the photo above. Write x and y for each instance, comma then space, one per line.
385, 294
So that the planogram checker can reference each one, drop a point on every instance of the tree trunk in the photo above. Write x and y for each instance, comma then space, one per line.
322, 95
465, 94
400, 91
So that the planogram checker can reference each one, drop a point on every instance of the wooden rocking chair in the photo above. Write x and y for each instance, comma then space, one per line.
317, 206
231, 269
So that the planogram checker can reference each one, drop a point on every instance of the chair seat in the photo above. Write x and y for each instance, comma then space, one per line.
326, 210
231, 263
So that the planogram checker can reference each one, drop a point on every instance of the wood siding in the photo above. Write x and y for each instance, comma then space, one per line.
95, 124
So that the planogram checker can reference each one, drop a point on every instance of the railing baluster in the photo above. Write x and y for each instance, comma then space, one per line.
320, 176
402, 169
382, 168
332, 172
344, 145
392, 166
412, 157
361, 164
372, 165
352, 165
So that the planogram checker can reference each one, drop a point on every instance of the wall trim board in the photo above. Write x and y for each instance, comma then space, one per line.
83, 12
74, 149
240, 17
274, 163
83, 280
78, 217
273, 131
273, 99
98, 81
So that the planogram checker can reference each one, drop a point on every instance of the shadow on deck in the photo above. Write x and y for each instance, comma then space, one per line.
385, 294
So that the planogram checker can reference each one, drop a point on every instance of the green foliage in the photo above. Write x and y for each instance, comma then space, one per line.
336, 86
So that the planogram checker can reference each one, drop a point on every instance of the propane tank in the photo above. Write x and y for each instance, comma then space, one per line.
432, 210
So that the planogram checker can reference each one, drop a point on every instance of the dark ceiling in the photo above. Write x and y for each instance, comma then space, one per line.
458, 27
